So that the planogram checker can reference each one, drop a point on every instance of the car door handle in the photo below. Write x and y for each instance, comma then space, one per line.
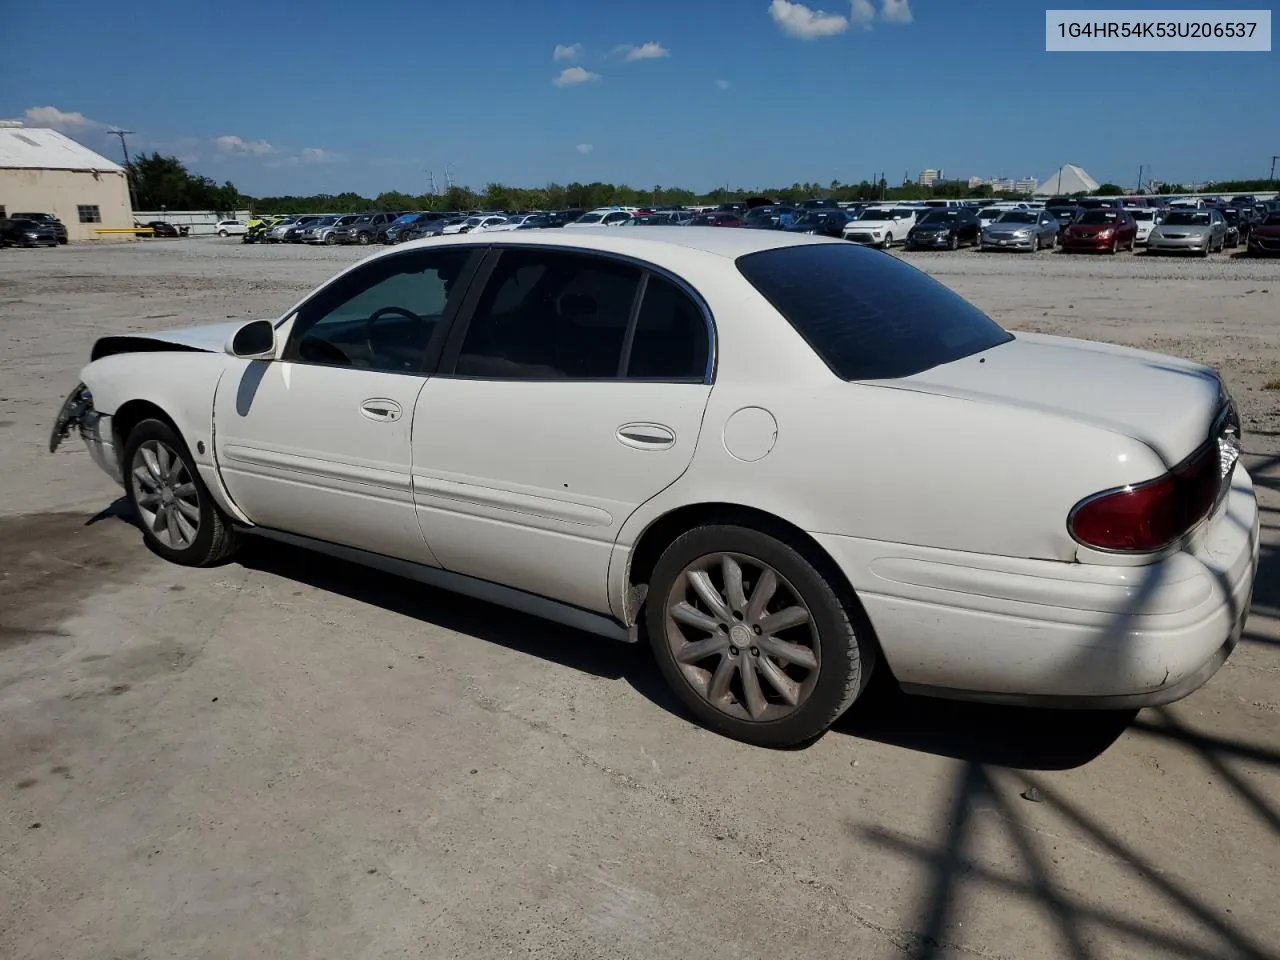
381, 410
646, 436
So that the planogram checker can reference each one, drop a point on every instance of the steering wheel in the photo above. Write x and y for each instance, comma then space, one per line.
379, 315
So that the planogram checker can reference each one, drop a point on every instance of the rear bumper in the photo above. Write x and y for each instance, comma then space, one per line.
1060, 634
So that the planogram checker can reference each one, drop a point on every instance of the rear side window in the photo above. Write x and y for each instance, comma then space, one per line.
551, 314
868, 316
670, 340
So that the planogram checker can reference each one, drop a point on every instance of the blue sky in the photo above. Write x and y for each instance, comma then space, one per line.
328, 95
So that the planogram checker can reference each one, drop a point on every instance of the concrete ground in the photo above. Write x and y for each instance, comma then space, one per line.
289, 757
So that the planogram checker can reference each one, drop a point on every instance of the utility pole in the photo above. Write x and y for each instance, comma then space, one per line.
1140, 166
128, 164
431, 183
1273, 168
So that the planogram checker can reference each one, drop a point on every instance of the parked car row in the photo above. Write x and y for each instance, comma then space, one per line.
1107, 224
22, 230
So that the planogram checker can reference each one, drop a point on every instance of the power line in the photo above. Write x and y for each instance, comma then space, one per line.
128, 164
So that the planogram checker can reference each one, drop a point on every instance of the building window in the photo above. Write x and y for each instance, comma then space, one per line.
2, 213
89, 214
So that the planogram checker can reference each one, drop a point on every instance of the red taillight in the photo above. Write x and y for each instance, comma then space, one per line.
1151, 515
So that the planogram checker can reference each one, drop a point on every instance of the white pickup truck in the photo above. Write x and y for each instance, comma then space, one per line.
881, 226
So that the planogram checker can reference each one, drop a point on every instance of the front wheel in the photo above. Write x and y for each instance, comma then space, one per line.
330, 239
362, 239
1035, 244
222, 233
954, 242
752, 637
178, 517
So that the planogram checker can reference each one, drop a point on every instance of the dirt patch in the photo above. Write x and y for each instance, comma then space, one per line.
50, 562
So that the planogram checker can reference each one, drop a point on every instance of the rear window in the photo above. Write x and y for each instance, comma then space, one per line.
868, 316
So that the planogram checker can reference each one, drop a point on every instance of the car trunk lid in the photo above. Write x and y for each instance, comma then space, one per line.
1166, 403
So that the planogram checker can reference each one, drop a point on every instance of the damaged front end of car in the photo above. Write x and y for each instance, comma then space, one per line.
78, 413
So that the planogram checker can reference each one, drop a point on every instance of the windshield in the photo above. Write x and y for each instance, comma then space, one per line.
474, 221
1187, 218
1143, 214
875, 213
590, 218
991, 213
941, 216
1095, 217
869, 316
325, 222
1018, 216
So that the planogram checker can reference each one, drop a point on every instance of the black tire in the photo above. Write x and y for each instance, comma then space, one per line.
363, 239
223, 234
215, 540
845, 664
954, 242
330, 240
1035, 243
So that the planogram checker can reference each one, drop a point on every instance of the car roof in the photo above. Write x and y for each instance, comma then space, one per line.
646, 245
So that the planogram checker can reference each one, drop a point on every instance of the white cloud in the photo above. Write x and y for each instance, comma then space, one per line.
63, 120
896, 11
797, 20
237, 145
722, 84
584, 148
647, 51
570, 51
862, 13
317, 155
572, 76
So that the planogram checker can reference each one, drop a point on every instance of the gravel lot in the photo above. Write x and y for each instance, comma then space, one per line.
288, 757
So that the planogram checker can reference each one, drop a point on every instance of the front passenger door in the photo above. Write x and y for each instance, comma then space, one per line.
317, 441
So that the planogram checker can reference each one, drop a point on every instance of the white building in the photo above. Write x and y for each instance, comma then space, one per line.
42, 171
929, 177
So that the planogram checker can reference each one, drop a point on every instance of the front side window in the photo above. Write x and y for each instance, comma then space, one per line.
868, 316
88, 214
382, 316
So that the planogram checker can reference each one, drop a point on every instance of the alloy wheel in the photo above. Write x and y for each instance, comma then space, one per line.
166, 495
742, 637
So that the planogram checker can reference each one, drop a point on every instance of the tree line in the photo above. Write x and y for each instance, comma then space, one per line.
165, 183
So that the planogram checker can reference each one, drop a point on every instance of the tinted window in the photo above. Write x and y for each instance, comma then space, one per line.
381, 316
941, 216
866, 315
550, 315
670, 341
1095, 217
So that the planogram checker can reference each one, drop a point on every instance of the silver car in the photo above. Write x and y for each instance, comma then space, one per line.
311, 234
1189, 231
1021, 230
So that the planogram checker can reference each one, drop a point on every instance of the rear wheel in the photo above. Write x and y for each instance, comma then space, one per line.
179, 519
888, 240
753, 638
362, 239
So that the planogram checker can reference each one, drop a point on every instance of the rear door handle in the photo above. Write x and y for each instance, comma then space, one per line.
381, 410
646, 436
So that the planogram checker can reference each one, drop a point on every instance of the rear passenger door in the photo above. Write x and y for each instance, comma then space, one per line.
571, 391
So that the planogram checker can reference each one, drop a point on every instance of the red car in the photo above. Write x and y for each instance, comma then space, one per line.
716, 219
1106, 229
1264, 240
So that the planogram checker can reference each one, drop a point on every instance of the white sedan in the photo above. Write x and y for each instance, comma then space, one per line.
230, 228
782, 459
474, 224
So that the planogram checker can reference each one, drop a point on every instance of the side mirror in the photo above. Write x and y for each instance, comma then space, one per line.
256, 340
